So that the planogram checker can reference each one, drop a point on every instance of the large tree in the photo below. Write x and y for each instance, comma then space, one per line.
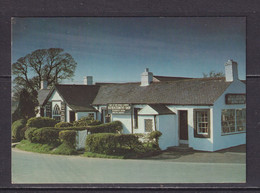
52, 65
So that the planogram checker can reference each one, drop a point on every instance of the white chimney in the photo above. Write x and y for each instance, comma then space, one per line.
146, 77
44, 84
231, 71
88, 80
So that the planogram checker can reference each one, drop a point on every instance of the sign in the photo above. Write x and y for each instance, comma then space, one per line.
232, 99
119, 108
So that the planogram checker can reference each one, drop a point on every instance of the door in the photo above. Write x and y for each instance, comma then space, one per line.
183, 125
72, 116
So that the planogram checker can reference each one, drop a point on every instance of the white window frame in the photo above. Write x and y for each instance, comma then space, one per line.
56, 112
236, 131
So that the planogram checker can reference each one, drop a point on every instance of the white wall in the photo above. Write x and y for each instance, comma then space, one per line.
79, 115
228, 140
141, 125
204, 144
167, 126
125, 119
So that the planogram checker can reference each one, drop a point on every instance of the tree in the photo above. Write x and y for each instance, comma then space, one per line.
52, 65
26, 106
212, 74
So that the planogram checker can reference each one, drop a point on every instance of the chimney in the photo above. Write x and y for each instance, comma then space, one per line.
146, 77
88, 80
44, 84
231, 72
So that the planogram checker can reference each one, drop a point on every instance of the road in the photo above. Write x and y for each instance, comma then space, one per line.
37, 168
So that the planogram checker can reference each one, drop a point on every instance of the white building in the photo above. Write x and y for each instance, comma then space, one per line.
204, 113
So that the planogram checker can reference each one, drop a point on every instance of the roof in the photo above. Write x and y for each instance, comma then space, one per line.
161, 109
42, 95
167, 78
197, 91
77, 97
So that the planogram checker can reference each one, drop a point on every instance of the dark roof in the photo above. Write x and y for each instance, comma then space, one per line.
197, 91
78, 97
167, 78
161, 109
42, 95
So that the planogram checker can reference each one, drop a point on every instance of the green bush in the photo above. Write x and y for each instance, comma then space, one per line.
29, 133
64, 149
40, 122
86, 121
63, 124
17, 126
45, 135
109, 143
113, 127
68, 136
22, 132
154, 136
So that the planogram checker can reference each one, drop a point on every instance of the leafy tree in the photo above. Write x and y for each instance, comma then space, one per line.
52, 65
26, 106
214, 74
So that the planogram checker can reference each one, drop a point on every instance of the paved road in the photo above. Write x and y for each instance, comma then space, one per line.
30, 167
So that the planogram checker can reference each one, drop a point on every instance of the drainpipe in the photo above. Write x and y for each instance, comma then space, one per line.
154, 119
132, 130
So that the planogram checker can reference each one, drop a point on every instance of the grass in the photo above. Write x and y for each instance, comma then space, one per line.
65, 149
35, 147
97, 155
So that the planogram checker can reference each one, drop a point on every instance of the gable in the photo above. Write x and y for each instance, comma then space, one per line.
147, 110
55, 96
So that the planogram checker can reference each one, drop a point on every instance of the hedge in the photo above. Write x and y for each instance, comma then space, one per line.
86, 121
63, 124
40, 122
17, 129
68, 137
29, 133
109, 143
45, 135
112, 127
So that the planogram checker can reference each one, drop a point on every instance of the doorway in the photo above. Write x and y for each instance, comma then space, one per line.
72, 116
183, 126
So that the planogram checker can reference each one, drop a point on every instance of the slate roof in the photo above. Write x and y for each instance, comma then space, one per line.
161, 109
167, 78
78, 97
197, 91
42, 95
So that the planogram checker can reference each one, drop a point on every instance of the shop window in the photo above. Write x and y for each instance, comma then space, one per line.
148, 125
136, 110
202, 123
233, 120
56, 112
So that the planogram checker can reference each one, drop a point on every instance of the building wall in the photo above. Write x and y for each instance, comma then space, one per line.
167, 126
204, 144
79, 115
227, 140
125, 119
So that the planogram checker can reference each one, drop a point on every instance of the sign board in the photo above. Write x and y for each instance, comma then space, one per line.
232, 99
119, 108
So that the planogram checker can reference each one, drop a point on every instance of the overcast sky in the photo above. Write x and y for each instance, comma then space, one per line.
119, 49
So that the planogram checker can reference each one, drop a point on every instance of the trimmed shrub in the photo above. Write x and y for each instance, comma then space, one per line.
154, 136
86, 121
109, 143
113, 127
17, 126
40, 122
29, 133
22, 132
68, 137
63, 124
45, 135
65, 149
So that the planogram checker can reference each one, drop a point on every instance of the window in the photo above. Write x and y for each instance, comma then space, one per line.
136, 117
202, 123
148, 125
56, 112
233, 120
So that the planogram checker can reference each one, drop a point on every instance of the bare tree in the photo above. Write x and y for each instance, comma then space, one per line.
212, 74
52, 65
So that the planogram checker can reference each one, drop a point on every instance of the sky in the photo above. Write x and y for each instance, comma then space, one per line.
118, 49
